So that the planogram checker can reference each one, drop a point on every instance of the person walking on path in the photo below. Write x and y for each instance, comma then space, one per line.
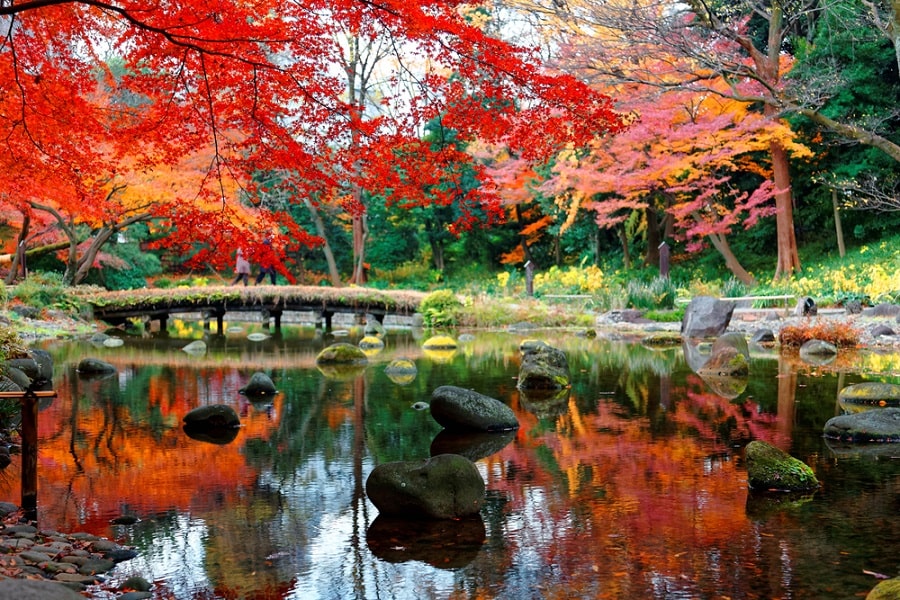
267, 261
241, 268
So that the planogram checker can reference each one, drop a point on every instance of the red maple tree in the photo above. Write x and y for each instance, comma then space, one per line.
98, 88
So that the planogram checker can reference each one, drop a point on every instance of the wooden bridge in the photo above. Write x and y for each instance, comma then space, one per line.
270, 301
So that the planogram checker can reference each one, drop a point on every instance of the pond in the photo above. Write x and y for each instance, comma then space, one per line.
630, 485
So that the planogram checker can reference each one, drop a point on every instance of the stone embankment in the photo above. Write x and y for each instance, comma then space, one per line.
49, 565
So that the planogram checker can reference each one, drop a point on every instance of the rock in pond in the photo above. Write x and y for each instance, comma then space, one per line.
260, 384
729, 357
195, 347
342, 353
770, 468
870, 394
94, 366
889, 589
543, 368
213, 415
818, 352
459, 409
706, 316
447, 486
440, 342
877, 425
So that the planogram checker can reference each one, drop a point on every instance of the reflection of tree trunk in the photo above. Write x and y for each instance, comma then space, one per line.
360, 512
787, 393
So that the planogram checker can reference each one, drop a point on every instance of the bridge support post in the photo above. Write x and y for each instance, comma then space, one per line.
323, 320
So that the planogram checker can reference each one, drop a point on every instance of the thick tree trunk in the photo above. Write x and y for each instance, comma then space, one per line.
788, 261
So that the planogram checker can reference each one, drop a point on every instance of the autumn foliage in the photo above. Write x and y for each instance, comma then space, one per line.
167, 113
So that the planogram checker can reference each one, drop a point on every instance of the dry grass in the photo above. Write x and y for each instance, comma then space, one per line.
840, 333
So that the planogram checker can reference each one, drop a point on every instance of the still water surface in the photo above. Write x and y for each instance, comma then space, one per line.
629, 485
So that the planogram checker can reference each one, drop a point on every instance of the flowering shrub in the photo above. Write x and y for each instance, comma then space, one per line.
571, 280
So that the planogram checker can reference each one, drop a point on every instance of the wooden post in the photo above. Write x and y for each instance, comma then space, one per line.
529, 279
664, 260
29, 455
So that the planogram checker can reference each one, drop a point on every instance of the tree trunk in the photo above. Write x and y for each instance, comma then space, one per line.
333, 272
651, 257
788, 261
720, 243
626, 252
19, 254
839, 231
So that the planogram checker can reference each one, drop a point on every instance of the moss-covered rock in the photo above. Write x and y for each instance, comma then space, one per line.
889, 589
440, 342
543, 368
769, 468
342, 353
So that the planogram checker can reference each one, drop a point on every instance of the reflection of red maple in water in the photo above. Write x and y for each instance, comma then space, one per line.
636, 505
114, 464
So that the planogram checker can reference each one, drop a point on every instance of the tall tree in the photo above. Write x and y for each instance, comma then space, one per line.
693, 156
746, 44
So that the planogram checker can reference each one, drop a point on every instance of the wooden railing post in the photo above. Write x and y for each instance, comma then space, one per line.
29, 454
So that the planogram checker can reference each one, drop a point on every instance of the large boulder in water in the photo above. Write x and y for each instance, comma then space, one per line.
543, 368
876, 425
447, 486
706, 316
459, 409
770, 468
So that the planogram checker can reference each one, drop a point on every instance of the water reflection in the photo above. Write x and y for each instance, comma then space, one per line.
628, 485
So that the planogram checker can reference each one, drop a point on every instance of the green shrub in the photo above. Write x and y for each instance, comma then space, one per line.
440, 309
46, 290
660, 293
733, 288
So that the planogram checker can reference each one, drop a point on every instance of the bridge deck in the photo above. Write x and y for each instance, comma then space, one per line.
271, 301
